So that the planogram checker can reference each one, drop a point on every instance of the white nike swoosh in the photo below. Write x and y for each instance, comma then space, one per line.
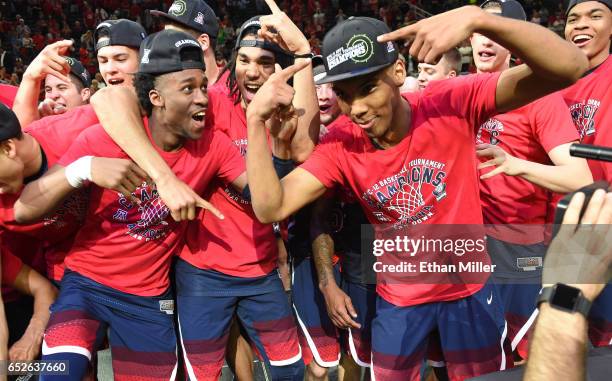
490, 299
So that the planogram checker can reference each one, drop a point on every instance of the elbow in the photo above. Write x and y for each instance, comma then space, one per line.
301, 154
574, 71
21, 214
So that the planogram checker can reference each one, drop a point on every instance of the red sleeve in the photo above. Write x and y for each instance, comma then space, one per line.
471, 96
231, 163
11, 265
552, 122
323, 162
94, 141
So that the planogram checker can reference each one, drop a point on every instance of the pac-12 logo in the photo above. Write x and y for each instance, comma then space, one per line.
489, 132
583, 115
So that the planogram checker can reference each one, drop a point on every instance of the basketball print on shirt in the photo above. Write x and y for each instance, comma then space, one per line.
494, 128
583, 114
408, 197
74, 208
150, 214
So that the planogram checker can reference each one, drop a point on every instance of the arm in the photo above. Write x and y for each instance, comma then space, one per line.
279, 29
566, 175
44, 195
582, 258
47, 62
118, 110
271, 200
29, 282
4, 333
339, 305
546, 70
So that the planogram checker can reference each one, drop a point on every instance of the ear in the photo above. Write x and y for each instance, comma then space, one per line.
452, 74
204, 41
156, 98
85, 94
9, 148
398, 72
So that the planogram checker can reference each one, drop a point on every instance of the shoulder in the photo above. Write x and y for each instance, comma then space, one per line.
78, 118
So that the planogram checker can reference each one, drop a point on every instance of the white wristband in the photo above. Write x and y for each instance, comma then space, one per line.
79, 171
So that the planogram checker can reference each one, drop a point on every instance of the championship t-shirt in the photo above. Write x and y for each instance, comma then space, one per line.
53, 235
590, 104
8, 94
528, 133
127, 244
239, 245
429, 177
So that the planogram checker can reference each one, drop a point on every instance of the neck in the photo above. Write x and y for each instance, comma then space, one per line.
29, 151
212, 71
599, 58
162, 134
400, 125
503, 67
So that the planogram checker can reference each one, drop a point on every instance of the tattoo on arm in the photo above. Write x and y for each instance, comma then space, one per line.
322, 250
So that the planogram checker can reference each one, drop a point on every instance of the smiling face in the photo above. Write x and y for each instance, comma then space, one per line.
67, 95
117, 64
589, 27
489, 56
182, 98
253, 68
372, 100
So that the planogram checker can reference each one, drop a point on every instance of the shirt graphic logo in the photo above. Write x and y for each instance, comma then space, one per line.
491, 127
147, 220
583, 115
408, 197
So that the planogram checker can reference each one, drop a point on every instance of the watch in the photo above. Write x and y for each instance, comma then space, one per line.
565, 298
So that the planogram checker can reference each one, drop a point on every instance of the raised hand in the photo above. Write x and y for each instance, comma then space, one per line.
279, 29
435, 35
50, 61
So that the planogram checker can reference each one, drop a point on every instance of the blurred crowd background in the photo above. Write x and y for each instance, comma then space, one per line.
26, 26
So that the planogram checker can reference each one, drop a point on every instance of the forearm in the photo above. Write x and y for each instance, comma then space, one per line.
42, 196
560, 60
25, 105
264, 184
557, 353
556, 178
305, 102
322, 251
118, 110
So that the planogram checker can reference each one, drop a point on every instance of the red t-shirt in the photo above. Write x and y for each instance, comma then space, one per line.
435, 162
54, 233
528, 133
239, 245
590, 104
127, 246
8, 94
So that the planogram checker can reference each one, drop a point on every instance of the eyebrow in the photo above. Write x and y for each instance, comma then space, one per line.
590, 12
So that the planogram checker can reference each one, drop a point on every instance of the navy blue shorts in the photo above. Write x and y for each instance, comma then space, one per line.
141, 329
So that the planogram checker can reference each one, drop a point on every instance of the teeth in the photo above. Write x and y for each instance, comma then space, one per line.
582, 37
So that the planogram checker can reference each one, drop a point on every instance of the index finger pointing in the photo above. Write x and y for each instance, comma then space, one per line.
290, 71
201, 203
404, 33
273, 7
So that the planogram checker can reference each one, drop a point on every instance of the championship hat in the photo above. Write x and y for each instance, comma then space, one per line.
9, 124
573, 3
511, 9
193, 14
78, 70
169, 51
253, 24
120, 32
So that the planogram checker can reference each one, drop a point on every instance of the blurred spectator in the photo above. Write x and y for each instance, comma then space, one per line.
7, 60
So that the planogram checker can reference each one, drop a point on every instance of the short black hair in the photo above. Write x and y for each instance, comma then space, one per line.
77, 82
144, 83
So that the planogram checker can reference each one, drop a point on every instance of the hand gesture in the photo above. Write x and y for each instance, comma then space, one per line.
500, 159
435, 35
182, 200
50, 61
279, 29
581, 253
121, 175
275, 97
50, 107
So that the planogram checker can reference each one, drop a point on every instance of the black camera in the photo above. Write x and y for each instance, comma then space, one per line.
588, 152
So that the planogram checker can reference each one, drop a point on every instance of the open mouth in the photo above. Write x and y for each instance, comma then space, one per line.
253, 89
486, 55
324, 108
199, 116
115, 81
581, 39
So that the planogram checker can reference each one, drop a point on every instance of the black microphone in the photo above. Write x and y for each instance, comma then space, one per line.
591, 152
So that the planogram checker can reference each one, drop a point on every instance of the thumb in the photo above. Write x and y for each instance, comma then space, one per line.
201, 203
62, 46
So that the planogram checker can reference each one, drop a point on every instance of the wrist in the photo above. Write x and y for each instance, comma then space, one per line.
480, 20
79, 172
328, 286
303, 50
